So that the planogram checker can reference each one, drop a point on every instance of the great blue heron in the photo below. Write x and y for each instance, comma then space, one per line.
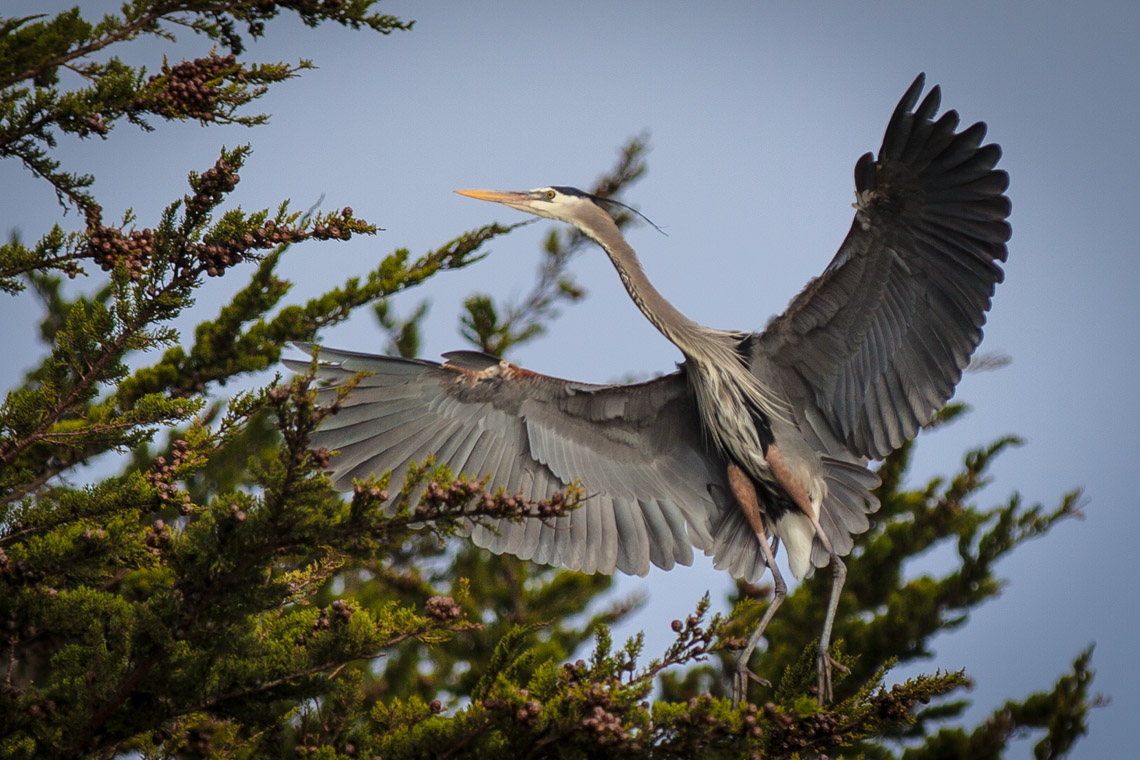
756, 434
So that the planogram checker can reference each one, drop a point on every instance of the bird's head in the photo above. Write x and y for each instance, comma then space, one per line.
564, 204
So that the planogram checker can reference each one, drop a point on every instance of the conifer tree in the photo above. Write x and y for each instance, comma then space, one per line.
216, 598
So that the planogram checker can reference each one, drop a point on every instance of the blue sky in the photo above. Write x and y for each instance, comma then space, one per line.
757, 113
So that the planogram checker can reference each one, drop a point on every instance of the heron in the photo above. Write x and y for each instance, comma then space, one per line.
758, 439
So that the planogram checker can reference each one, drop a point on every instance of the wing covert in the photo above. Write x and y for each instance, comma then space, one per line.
638, 450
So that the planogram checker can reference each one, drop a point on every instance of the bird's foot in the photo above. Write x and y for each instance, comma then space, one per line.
740, 681
825, 663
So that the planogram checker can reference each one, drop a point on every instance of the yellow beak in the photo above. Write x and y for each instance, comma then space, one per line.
498, 196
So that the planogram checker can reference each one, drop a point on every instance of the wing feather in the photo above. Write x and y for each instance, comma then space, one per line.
638, 451
876, 344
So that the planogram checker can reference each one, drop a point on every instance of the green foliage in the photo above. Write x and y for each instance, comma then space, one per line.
216, 598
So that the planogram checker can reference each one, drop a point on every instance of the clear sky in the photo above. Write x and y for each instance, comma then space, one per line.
758, 112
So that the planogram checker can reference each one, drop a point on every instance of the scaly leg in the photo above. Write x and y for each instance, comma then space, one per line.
826, 661
745, 493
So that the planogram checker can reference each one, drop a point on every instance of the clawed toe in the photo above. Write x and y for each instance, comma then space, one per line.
825, 663
740, 681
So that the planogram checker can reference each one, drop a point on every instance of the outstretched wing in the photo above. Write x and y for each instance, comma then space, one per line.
654, 488
879, 340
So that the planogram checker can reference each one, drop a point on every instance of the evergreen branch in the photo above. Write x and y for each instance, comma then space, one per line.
156, 272
1062, 712
31, 263
68, 23
20, 491
10, 450
210, 89
264, 686
203, 16
330, 667
125, 688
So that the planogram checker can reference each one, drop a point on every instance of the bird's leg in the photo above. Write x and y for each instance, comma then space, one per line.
745, 493
826, 661
785, 474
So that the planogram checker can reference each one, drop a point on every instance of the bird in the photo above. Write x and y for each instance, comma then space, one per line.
759, 438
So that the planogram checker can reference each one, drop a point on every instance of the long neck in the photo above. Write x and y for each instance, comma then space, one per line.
679, 329
717, 372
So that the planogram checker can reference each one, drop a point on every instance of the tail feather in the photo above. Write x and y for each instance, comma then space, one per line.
735, 547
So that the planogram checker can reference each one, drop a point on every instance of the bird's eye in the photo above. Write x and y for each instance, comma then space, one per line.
549, 195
